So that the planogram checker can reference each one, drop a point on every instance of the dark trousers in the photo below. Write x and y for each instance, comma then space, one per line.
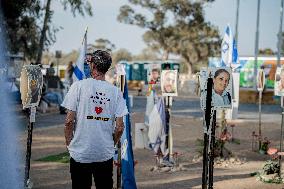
81, 174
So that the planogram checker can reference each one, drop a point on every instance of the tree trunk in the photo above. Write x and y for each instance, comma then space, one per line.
189, 68
165, 55
43, 32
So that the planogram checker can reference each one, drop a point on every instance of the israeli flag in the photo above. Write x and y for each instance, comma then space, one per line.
127, 157
227, 48
79, 68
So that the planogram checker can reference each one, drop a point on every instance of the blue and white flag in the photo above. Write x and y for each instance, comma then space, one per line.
227, 48
79, 68
157, 128
127, 157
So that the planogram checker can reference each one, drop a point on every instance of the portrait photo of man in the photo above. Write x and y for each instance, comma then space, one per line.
169, 82
154, 74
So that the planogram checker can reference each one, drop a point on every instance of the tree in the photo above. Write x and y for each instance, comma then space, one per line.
77, 6
22, 20
102, 44
175, 26
266, 51
121, 54
146, 54
20, 23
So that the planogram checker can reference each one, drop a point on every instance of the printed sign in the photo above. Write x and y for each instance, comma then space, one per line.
279, 82
221, 89
169, 82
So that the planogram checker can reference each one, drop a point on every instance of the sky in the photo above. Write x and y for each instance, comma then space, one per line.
104, 24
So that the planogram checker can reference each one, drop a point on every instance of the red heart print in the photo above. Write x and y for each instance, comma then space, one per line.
98, 110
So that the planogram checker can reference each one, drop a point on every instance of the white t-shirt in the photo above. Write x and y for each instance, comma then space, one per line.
96, 104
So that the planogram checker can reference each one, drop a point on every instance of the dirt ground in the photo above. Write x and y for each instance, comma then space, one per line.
50, 141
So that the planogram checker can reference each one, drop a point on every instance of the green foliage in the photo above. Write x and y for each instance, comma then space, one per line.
146, 54
174, 26
102, 44
20, 23
61, 158
121, 54
266, 51
271, 167
28, 24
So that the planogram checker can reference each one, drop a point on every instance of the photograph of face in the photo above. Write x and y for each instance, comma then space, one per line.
169, 82
222, 85
221, 89
154, 74
260, 80
279, 82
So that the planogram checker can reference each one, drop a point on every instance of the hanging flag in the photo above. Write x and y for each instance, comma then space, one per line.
235, 54
227, 48
127, 157
79, 68
157, 128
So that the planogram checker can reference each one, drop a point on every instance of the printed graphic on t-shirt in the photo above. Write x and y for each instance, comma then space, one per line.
99, 100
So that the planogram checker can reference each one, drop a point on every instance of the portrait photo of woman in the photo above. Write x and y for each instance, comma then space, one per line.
222, 86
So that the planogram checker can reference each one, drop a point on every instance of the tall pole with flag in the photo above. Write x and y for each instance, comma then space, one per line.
125, 154
256, 43
279, 45
79, 73
227, 48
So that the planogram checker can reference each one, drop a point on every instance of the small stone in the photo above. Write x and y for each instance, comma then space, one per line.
232, 160
165, 169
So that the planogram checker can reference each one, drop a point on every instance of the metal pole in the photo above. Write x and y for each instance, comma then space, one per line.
170, 131
206, 136
237, 22
280, 35
278, 65
28, 152
256, 43
58, 67
167, 109
259, 119
211, 155
281, 135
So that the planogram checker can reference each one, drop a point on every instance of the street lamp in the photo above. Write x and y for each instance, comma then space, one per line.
58, 54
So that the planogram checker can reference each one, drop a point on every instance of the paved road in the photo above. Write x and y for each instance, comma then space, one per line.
184, 107
191, 107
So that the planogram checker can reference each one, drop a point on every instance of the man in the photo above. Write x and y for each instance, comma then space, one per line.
94, 104
53, 89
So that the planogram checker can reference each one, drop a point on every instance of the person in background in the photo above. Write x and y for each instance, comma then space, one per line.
53, 89
93, 106
69, 73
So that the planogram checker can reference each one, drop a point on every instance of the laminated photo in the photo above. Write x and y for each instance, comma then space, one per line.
221, 88
279, 82
169, 82
260, 80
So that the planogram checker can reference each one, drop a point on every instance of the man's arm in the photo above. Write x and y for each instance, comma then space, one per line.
118, 129
69, 126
